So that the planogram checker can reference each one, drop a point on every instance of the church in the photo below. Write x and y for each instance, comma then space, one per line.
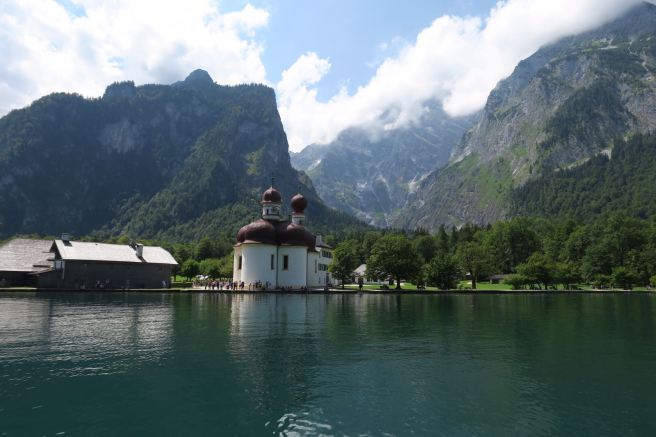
272, 253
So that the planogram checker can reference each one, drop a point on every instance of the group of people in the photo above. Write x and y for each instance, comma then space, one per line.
242, 286
222, 285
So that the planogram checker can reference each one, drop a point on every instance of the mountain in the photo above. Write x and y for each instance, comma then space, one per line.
560, 107
175, 162
369, 173
623, 181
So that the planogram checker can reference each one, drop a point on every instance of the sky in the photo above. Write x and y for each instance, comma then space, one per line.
333, 64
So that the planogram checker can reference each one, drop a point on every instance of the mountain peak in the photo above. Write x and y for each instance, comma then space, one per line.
199, 77
125, 89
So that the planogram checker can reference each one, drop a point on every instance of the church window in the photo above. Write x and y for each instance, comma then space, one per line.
273, 261
239, 262
285, 262
315, 266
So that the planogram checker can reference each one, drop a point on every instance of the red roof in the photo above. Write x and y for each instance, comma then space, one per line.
271, 195
276, 233
299, 203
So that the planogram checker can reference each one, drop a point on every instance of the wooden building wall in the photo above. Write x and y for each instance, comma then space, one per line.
86, 275
16, 279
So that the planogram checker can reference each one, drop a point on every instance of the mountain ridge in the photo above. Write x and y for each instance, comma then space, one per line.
560, 107
369, 173
147, 161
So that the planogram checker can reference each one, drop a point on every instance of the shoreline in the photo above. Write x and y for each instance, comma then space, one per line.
333, 291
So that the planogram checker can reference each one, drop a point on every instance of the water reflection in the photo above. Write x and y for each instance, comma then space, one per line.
93, 363
83, 336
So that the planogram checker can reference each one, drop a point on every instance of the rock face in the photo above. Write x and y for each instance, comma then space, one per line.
370, 174
175, 162
560, 107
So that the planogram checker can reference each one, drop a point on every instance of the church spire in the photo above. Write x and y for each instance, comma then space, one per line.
271, 203
299, 203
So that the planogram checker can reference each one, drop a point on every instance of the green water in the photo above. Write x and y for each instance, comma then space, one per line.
138, 364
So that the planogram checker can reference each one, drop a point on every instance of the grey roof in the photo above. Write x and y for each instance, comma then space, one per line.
500, 276
87, 251
25, 255
361, 270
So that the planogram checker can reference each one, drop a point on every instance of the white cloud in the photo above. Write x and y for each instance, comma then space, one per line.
45, 48
456, 60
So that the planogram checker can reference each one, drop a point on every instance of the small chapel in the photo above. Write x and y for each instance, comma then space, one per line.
276, 254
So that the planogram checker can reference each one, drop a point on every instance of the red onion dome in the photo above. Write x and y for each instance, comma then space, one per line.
299, 203
297, 235
261, 231
271, 195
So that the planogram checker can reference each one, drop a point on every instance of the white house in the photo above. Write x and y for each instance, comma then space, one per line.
274, 254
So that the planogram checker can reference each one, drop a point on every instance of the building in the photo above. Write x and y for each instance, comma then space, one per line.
497, 279
67, 264
272, 253
21, 258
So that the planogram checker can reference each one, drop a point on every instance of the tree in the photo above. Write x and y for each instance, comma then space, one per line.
516, 281
566, 274
425, 246
190, 268
473, 258
345, 259
512, 242
443, 272
226, 266
538, 269
181, 253
393, 255
205, 249
623, 278
442, 240
597, 260
210, 267
368, 242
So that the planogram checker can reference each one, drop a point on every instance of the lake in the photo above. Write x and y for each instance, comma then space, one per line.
167, 364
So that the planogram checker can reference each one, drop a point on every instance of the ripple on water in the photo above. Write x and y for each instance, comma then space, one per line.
160, 364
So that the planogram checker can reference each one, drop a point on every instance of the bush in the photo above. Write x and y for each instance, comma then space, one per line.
443, 272
601, 281
652, 281
517, 282
623, 278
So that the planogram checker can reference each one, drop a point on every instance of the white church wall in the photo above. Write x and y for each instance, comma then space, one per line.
317, 268
256, 264
295, 275
236, 272
325, 261
313, 276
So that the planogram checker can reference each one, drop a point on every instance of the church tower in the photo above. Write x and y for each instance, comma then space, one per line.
271, 204
299, 203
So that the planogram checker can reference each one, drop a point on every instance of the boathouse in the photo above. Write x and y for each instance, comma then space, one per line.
21, 258
67, 264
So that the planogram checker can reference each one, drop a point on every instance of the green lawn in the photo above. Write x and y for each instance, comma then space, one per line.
481, 286
405, 286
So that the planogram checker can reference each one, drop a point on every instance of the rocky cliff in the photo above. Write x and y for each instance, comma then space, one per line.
560, 107
371, 173
175, 162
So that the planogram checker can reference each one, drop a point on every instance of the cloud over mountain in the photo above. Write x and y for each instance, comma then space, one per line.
457, 60
81, 45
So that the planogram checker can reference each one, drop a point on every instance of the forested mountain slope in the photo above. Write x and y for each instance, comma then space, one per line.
175, 162
602, 185
559, 108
